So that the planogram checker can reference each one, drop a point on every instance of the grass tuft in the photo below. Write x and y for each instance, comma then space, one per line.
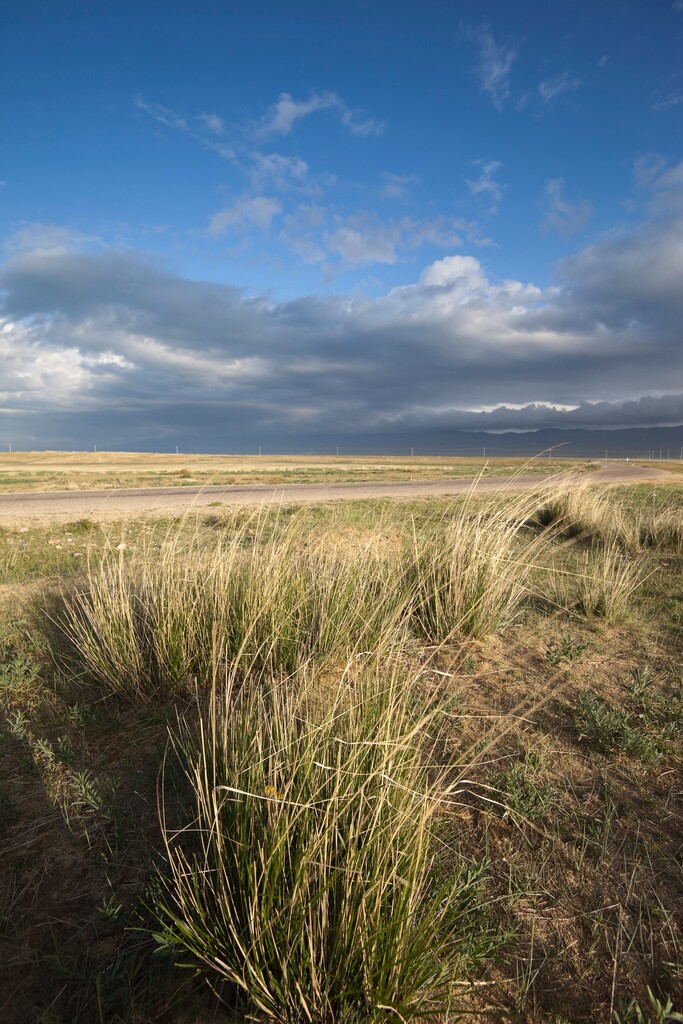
306, 875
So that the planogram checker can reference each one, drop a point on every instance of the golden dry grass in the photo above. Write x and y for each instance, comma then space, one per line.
25, 471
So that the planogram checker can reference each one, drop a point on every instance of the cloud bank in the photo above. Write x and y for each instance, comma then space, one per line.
113, 337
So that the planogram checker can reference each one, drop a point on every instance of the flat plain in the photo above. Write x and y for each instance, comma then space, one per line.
24, 471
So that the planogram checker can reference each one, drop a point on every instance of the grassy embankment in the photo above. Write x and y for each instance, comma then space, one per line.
347, 763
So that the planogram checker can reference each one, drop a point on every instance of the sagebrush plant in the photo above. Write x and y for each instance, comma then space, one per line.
305, 872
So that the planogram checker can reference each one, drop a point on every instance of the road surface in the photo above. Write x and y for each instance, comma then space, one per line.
106, 504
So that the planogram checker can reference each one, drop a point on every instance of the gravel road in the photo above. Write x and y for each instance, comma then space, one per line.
106, 504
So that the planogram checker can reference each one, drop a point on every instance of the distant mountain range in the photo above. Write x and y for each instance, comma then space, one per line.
631, 442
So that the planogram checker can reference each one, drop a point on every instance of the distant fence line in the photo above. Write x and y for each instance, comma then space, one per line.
666, 454
478, 453
561, 451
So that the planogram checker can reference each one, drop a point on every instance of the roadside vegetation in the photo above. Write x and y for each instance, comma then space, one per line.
346, 763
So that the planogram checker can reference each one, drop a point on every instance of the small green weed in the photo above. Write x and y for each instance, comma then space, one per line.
524, 794
656, 1013
110, 910
83, 525
18, 724
567, 648
611, 728
89, 793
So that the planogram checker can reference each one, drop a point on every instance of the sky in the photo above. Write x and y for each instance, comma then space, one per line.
225, 224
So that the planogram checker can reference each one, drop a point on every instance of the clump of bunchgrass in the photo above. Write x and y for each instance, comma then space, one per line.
577, 509
608, 581
662, 529
160, 621
306, 873
470, 572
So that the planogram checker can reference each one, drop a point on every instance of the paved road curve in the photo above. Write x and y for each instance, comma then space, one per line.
66, 505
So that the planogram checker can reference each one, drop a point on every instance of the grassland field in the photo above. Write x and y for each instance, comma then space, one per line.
46, 471
351, 762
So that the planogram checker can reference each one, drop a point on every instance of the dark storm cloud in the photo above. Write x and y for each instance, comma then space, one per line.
102, 334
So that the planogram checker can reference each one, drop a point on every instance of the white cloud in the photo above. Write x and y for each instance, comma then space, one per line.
495, 65
561, 216
357, 247
300, 231
247, 212
48, 239
662, 181
442, 232
461, 273
164, 115
213, 123
647, 168
357, 125
282, 172
397, 186
486, 184
551, 88
673, 99
195, 128
286, 112
315, 233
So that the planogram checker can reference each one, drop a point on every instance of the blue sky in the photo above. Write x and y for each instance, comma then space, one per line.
273, 220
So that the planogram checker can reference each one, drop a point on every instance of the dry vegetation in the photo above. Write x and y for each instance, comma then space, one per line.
53, 471
346, 763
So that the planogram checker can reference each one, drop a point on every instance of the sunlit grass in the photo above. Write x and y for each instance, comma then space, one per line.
307, 873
